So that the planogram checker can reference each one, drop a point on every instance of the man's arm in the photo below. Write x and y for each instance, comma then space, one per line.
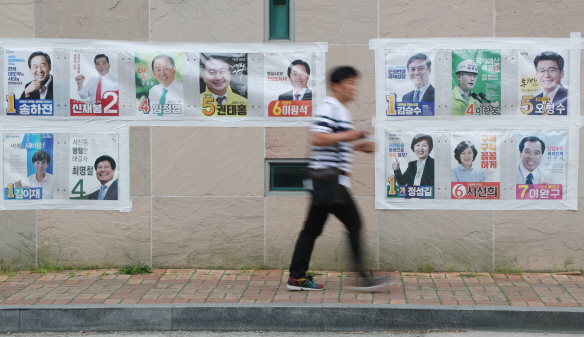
326, 139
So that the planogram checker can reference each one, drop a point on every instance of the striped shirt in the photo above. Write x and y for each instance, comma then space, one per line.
331, 117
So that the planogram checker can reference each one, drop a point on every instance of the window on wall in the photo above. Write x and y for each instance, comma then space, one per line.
279, 15
285, 176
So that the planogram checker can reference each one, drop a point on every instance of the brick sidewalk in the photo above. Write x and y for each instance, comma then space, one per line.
269, 286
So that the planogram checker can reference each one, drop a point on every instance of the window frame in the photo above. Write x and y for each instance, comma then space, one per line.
291, 35
268, 176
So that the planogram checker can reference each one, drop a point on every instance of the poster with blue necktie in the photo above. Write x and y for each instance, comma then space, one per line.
224, 85
159, 83
289, 88
94, 166
541, 166
94, 85
409, 83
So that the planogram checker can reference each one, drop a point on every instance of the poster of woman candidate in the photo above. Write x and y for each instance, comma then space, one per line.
28, 166
541, 165
288, 84
159, 83
223, 84
475, 168
476, 82
93, 83
543, 80
28, 86
409, 81
410, 165
93, 169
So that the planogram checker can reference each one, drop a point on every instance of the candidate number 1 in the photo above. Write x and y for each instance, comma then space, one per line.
10, 99
390, 104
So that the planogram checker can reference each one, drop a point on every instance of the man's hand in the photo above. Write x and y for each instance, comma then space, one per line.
18, 184
79, 79
395, 165
543, 181
32, 87
365, 146
326, 139
352, 134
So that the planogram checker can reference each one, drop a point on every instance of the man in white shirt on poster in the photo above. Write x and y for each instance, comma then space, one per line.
97, 86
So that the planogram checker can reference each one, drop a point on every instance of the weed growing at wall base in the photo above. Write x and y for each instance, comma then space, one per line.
139, 268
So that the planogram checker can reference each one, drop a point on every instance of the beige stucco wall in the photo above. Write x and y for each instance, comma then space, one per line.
198, 193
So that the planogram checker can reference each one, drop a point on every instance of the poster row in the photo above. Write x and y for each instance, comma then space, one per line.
86, 169
154, 84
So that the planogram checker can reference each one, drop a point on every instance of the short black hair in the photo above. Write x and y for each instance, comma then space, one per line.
463, 146
419, 56
551, 56
419, 137
103, 158
342, 73
39, 53
41, 155
531, 139
207, 57
100, 56
299, 62
160, 56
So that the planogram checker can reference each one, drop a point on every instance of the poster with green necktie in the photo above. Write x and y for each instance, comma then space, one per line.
224, 85
159, 83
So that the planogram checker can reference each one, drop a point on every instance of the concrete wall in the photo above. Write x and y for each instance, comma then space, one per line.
209, 209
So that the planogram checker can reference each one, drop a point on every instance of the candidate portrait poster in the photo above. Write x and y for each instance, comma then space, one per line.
159, 83
541, 165
410, 165
28, 86
543, 82
94, 86
476, 82
93, 167
223, 83
289, 84
409, 83
28, 166
475, 165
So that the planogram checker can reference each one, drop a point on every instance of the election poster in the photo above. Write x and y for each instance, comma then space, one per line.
28, 166
475, 165
223, 84
288, 85
28, 88
541, 165
410, 166
93, 172
409, 83
543, 79
159, 83
94, 86
476, 82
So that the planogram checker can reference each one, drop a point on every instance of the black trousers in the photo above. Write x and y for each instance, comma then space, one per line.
346, 212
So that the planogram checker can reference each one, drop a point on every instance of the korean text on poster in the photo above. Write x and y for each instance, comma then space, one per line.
476, 82
94, 83
28, 87
223, 85
159, 83
288, 85
408, 83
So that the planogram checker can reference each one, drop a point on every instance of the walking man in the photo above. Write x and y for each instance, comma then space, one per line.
332, 136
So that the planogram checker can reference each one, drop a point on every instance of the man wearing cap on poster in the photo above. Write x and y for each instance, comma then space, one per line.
549, 67
419, 70
41, 87
96, 86
217, 77
462, 95
105, 170
298, 73
531, 150
170, 89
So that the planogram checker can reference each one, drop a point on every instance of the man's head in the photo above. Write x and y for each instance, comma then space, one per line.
549, 67
39, 64
102, 64
164, 69
105, 169
419, 69
343, 83
531, 150
466, 73
298, 73
217, 74
41, 161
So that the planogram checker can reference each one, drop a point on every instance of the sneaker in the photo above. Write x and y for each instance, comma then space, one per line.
303, 284
371, 283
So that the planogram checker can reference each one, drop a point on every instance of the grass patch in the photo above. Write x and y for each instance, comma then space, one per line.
139, 268
313, 273
471, 274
